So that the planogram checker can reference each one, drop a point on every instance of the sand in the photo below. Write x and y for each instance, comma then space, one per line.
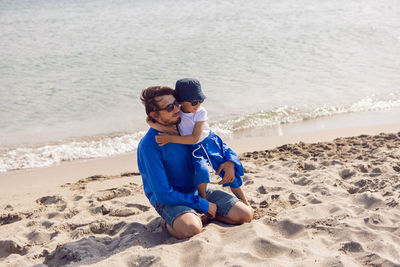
331, 203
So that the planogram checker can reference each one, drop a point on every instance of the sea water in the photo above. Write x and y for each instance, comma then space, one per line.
71, 72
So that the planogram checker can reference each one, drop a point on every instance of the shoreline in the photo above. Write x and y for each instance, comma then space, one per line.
28, 182
42, 155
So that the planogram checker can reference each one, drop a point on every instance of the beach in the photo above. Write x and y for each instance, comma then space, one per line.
322, 198
303, 91
71, 72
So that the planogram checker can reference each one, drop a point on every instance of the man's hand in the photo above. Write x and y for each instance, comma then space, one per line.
212, 210
163, 139
229, 169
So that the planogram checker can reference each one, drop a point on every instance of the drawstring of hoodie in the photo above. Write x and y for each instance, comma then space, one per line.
201, 146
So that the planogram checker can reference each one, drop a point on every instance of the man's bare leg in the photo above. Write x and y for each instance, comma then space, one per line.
185, 225
239, 213
202, 190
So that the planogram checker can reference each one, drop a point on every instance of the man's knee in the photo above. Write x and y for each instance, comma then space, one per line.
187, 225
241, 213
247, 214
191, 229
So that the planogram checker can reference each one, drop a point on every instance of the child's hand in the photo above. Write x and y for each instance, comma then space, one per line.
163, 139
212, 210
229, 169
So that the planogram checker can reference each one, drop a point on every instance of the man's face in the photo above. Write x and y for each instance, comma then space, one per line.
163, 116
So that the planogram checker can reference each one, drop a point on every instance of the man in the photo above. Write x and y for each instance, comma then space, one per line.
168, 174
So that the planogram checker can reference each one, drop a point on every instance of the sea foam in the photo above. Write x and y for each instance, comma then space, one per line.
46, 155
290, 114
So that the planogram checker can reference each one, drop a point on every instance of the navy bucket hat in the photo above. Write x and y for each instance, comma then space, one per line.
189, 90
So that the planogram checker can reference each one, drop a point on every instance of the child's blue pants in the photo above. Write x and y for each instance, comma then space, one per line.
213, 149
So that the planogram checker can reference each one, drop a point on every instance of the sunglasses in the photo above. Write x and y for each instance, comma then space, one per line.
170, 107
194, 103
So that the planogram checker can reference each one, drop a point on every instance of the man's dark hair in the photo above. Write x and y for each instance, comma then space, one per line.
148, 98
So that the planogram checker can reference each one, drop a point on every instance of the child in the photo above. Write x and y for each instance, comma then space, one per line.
206, 145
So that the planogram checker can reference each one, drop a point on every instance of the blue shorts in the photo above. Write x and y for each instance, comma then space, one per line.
222, 199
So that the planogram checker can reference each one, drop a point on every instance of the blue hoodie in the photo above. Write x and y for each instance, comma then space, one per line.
168, 174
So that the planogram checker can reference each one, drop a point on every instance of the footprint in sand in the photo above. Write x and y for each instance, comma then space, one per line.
392, 203
248, 181
346, 174
47, 224
103, 209
7, 218
62, 215
112, 193
50, 200
39, 237
314, 200
267, 249
77, 198
374, 219
325, 225
333, 262
138, 261
363, 168
85, 248
53, 202
351, 247
9, 208
252, 170
294, 199
138, 206
124, 211
262, 190
96, 227
261, 209
301, 181
8, 247
372, 259
286, 228
308, 166
396, 168
82, 183
52, 215
369, 201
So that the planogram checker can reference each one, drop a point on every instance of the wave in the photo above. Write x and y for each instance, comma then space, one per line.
47, 155
44, 156
288, 114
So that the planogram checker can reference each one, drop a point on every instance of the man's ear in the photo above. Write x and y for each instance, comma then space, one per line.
153, 115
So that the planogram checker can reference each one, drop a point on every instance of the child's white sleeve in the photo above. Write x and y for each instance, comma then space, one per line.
201, 115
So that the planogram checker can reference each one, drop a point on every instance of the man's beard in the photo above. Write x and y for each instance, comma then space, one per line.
170, 123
